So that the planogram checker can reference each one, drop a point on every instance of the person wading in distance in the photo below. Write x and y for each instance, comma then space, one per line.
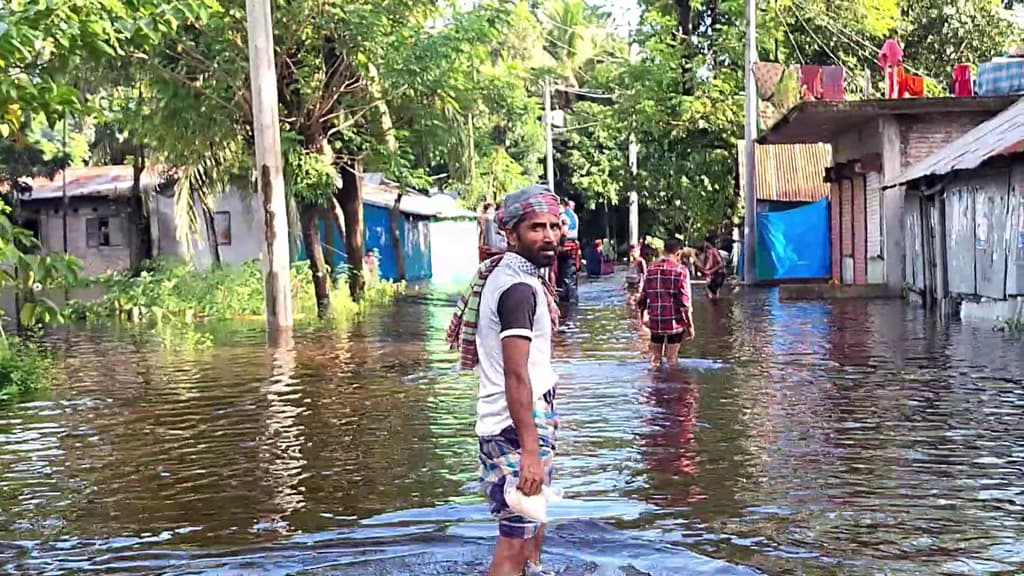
665, 301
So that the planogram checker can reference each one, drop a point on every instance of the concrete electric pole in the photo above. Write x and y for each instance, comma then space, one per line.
548, 134
634, 199
750, 133
269, 174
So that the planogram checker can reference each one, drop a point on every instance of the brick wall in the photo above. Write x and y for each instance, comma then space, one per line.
834, 236
860, 231
923, 135
846, 217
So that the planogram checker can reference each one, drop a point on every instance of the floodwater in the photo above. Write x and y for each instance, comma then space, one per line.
813, 438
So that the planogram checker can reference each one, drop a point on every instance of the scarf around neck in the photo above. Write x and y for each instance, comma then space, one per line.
462, 329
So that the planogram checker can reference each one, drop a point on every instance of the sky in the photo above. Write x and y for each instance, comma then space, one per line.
625, 13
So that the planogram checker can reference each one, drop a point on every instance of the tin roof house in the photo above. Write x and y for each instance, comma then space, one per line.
963, 221
874, 141
792, 210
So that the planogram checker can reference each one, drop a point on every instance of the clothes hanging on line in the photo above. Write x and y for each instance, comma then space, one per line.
833, 83
891, 54
810, 81
963, 85
910, 85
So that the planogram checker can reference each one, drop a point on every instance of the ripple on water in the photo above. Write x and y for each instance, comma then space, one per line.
812, 438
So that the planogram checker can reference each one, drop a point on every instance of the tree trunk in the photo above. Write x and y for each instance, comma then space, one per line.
396, 236
140, 243
684, 17
317, 264
350, 198
211, 234
684, 12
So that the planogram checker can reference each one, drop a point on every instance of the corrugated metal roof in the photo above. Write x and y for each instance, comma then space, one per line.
998, 136
113, 181
788, 172
102, 181
382, 193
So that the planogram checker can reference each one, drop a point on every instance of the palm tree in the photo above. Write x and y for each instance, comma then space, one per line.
577, 37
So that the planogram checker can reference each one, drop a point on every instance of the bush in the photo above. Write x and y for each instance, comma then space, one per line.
24, 368
171, 291
1014, 325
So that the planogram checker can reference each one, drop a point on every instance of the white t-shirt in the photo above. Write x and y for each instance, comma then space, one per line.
512, 304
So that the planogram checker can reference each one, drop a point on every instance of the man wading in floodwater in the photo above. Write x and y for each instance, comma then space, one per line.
665, 300
504, 324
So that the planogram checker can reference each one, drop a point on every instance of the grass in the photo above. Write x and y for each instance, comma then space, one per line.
173, 292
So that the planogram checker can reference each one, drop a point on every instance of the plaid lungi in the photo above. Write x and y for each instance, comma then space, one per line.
499, 459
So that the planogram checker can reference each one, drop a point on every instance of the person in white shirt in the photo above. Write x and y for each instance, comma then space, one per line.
504, 326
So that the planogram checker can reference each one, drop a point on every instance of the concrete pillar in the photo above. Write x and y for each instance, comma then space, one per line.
835, 235
892, 203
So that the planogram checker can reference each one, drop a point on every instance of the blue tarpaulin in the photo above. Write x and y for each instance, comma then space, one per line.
794, 243
414, 234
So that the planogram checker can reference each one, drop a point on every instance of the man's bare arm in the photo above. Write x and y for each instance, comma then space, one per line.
519, 395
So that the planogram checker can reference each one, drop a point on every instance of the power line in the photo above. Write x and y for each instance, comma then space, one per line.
869, 48
816, 39
789, 34
585, 93
860, 50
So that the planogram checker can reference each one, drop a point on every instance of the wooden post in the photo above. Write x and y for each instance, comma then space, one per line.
269, 174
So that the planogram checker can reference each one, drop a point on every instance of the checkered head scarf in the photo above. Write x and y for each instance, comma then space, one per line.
532, 200
462, 329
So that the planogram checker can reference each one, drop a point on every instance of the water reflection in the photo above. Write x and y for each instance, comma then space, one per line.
284, 437
811, 438
670, 445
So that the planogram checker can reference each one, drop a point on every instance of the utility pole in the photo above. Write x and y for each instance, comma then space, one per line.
750, 133
269, 175
634, 199
64, 183
548, 135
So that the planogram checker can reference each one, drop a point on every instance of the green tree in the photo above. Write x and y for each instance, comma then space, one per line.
386, 87
578, 38
464, 100
593, 158
937, 35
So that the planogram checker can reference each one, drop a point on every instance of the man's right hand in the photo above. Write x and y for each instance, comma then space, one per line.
531, 473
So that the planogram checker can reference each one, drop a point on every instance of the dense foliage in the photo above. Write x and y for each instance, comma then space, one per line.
439, 94
23, 366
170, 292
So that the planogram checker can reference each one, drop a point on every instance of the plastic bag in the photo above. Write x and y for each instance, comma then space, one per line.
533, 507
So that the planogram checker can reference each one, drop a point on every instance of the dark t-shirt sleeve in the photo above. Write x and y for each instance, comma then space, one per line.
516, 308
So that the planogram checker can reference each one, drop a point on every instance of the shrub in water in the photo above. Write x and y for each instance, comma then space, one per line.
24, 368
171, 291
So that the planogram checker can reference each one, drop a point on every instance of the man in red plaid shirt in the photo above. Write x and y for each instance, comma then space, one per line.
665, 300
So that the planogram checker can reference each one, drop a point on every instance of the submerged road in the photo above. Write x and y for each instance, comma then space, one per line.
814, 438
